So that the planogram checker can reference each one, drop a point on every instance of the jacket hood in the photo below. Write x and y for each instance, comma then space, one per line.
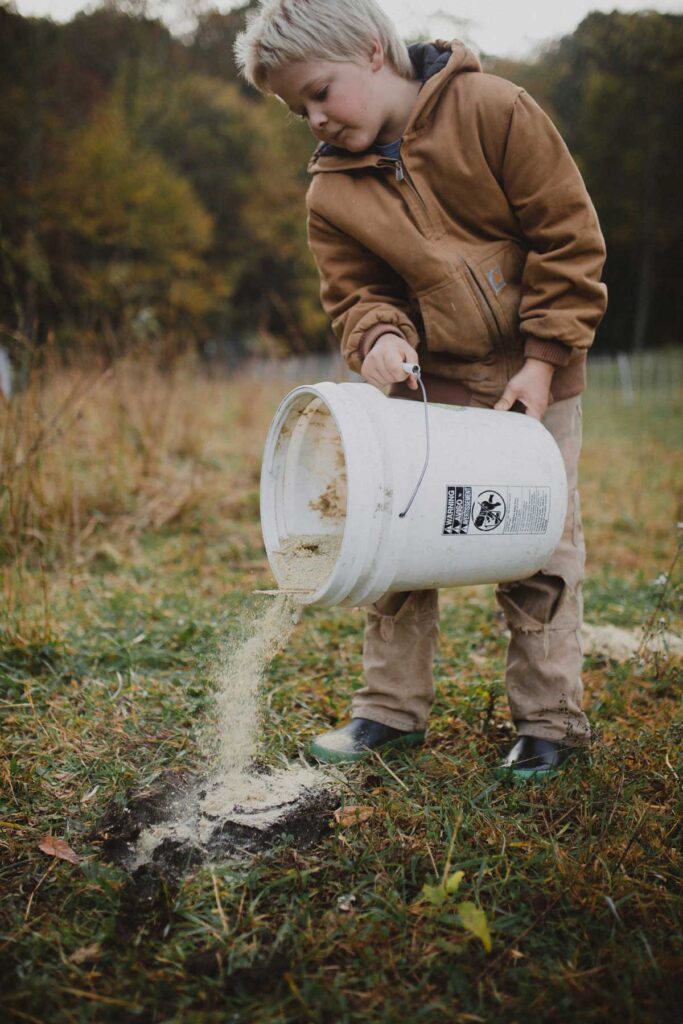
435, 64
429, 59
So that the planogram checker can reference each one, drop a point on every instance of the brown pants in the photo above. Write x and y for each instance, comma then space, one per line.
544, 615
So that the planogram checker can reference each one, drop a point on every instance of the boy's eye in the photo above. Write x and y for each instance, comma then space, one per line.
319, 96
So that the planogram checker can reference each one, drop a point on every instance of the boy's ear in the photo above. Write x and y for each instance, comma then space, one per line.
376, 55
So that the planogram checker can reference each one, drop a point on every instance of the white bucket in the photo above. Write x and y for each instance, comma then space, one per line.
341, 462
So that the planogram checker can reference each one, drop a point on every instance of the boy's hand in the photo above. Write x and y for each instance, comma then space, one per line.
531, 387
383, 363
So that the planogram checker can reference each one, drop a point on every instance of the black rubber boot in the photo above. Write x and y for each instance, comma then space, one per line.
534, 758
358, 738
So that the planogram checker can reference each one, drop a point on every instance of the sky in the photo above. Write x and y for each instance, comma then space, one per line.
506, 28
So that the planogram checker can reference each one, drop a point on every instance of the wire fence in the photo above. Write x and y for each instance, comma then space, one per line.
620, 378
306, 369
627, 377
623, 379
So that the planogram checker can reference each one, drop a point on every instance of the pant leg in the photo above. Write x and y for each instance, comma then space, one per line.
545, 612
401, 634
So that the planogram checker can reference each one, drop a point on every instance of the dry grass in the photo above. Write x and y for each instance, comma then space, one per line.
93, 459
108, 453
116, 451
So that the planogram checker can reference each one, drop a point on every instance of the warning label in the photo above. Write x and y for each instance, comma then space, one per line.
458, 509
478, 509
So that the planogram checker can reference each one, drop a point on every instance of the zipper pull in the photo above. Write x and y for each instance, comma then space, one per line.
399, 171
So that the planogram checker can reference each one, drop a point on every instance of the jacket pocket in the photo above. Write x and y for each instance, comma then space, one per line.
456, 320
498, 279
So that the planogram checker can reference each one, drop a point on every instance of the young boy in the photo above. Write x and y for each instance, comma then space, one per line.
451, 228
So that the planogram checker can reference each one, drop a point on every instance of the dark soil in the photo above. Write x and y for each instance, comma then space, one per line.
301, 824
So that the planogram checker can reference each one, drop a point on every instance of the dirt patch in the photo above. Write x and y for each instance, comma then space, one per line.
316, 412
239, 807
183, 821
146, 904
613, 643
332, 502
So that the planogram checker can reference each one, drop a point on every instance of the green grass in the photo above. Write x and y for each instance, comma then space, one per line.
105, 671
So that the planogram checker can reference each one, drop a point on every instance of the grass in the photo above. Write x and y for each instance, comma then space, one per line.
130, 550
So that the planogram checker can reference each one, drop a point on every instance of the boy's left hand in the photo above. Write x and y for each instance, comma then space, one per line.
531, 387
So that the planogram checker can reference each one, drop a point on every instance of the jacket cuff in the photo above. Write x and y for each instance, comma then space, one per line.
383, 319
554, 352
374, 333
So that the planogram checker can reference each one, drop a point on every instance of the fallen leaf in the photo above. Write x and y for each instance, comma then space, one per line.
54, 847
353, 814
474, 920
86, 954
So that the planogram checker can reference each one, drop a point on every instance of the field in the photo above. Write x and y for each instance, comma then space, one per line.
129, 550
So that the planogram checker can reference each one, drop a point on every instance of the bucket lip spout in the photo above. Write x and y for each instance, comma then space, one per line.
360, 527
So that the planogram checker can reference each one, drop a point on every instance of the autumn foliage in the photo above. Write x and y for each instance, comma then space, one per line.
145, 192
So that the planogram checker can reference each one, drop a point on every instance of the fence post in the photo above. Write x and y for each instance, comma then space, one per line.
625, 378
5, 373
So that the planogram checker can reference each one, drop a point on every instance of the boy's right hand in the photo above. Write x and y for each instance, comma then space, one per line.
384, 362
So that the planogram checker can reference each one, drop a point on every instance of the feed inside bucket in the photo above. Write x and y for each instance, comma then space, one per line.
340, 464
312, 498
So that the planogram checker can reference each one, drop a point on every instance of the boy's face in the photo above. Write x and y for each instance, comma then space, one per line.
344, 103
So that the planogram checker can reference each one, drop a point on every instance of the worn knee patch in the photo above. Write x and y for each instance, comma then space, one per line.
544, 601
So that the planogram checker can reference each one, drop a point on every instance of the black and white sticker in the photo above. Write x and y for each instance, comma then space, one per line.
477, 509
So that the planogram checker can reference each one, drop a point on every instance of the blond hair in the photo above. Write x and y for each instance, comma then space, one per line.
280, 32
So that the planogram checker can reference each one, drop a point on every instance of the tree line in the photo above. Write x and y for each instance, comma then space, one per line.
146, 193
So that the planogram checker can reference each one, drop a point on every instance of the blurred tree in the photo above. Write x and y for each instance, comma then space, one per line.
619, 94
52, 79
29, 136
227, 146
202, 128
142, 184
97, 50
142, 149
131, 234
210, 49
278, 289
615, 89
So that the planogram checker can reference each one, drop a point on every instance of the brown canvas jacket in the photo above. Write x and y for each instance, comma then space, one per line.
480, 245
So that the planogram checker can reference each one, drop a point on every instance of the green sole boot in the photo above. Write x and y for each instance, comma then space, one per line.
357, 740
533, 759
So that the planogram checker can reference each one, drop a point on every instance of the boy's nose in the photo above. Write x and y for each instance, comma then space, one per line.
318, 119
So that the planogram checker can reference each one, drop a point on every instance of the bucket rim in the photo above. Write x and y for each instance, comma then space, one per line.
358, 536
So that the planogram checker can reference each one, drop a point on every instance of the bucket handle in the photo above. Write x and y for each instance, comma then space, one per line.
415, 369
